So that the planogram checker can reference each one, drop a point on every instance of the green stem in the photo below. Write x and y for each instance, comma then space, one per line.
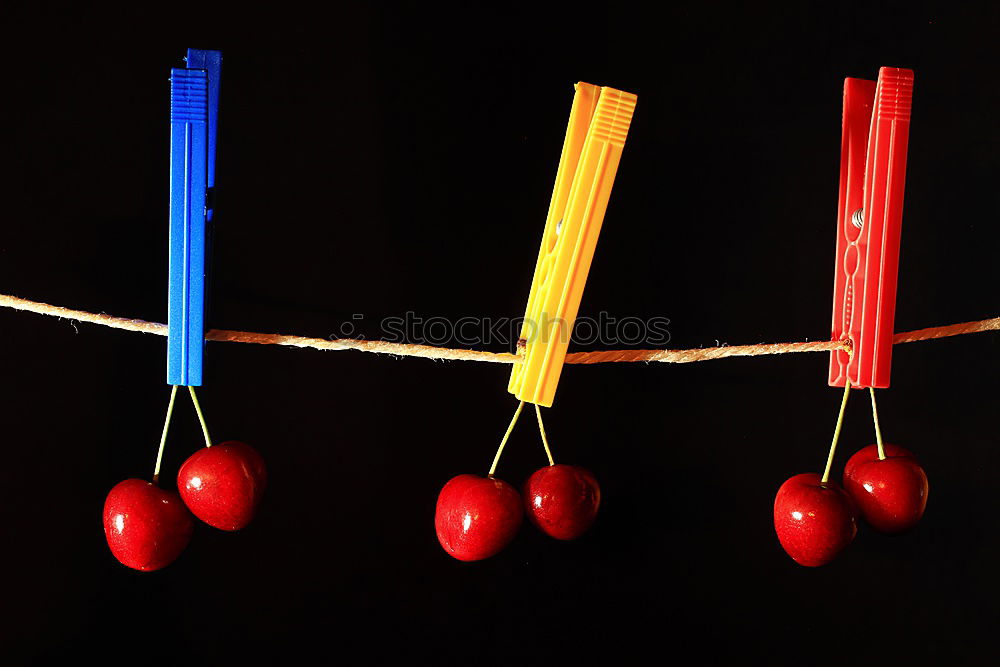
878, 430
836, 432
201, 417
541, 429
163, 436
503, 442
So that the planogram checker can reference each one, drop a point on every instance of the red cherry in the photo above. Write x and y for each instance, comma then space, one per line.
147, 527
562, 500
223, 484
814, 521
477, 516
892, 493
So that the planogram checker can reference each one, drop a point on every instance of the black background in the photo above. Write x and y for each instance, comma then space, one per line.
376, 162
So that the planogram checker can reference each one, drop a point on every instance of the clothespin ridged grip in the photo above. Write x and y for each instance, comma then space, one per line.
598, 125
876, 126
188, 187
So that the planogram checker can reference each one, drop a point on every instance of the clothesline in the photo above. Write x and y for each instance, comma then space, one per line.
443, 353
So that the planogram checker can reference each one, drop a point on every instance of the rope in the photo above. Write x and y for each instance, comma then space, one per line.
443, 353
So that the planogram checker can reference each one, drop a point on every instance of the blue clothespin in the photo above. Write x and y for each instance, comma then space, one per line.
194, 115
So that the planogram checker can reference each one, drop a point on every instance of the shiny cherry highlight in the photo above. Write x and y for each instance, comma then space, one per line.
562, 500
476, 517
891, 494
814, 521
147, 527
222, 485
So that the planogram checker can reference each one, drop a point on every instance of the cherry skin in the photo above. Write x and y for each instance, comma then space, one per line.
477, 516
891, 494
223, 484
814, 521
562, 500
146, 527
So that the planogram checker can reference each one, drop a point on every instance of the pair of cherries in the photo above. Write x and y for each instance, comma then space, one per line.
476, 517
148, 527
816, 520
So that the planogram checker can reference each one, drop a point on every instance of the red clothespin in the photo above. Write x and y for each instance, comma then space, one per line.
869, 220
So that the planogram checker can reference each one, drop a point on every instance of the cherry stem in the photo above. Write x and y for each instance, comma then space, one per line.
541, 429
503, 442
201, 417
836, 432
878, 430
163, 436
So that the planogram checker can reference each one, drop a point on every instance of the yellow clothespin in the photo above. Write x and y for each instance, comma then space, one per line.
595, 137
